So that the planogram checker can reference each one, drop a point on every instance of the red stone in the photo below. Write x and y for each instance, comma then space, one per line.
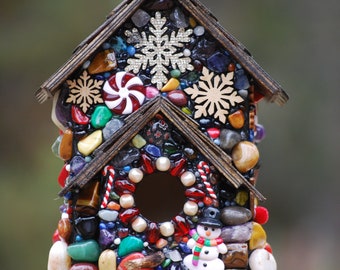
195, 193
63, 176
64, 228
84, 266
78, 116
123, 232
152, 234
182, 226
178, 98
214, 133
55, 236
127, 216
268, 248
124, 186
179, 166
129, 258
147, 164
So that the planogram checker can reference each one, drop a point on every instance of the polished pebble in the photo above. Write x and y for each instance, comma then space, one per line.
139, 225
235, 215
87, 145
237, 119
258, 237
178, 98
100, 116
228, 139
65, 147
138, 141
108, 215
261, 259
58, 258
87, 250
245, 156
237, 233
107, 260
140, 18
130, 244
111, 128
102, 62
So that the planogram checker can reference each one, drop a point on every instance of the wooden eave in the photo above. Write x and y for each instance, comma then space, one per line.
266, 85
188, 128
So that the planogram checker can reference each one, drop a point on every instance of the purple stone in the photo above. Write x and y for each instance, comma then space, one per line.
140, 18
178, 18
105, 238
260, 133
218, 62
77, 164
241, 80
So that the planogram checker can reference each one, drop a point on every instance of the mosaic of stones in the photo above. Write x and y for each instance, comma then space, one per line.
160, 50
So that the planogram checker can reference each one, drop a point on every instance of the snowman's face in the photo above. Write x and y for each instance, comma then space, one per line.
208, 232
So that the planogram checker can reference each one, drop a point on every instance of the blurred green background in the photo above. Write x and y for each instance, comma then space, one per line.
297, 42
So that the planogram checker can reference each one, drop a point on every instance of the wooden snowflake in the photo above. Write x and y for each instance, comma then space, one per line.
84, 91
159, 50
214, 95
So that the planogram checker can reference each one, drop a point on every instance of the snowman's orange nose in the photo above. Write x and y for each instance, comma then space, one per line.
207, 233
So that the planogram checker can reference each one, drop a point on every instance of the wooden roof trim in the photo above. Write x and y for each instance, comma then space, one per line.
188, 128
269, 88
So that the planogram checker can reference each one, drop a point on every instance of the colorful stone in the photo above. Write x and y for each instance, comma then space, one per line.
151, 92
106, 238
171, 85
195, 193
63, 175
86, 227
228, 139
124, 186
64, 229
84, 266
214, 133
242, 197
236, 257
245, 156
179, 167
153, 233
182, 225
58, 258
235, 215
104, 61
258, 237
78, 116
100, 116
123, 93
130, 244
178, 98
87, 145
112, 127
108, 215
262, 259
87, 251
138, 141
237, 233
147, 164
128, 215
237, 119
88, 198
107, 260
77, 163
66, 145
139, 225
218, 62
153, 150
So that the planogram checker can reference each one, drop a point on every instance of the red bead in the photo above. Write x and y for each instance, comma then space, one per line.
147, 164
214, 133
128, 215
195, 193
124, 186
179, 166
268, 248
64, 173
56, 236
182, 226
78, 116
153, 234
261, 215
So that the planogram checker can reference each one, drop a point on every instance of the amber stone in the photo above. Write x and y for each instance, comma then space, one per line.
64, 228
237, 119
88, 197
128, 215
65, 148
152, 234
236, 257
104, 61
245, 156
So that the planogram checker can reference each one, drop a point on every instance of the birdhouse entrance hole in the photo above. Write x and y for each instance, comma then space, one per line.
160, 196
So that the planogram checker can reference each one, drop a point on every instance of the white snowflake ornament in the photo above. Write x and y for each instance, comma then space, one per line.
214, 95
159, 50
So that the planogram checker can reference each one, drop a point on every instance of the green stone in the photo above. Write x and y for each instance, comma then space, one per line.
130, 244
100, 116
166, 263
186, 110
138, 141
175, 73
87, 250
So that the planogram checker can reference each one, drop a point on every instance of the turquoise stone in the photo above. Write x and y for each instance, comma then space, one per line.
87, 251
118, 44
100, 116
130, 244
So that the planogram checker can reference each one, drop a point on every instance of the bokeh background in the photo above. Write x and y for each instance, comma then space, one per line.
297, 42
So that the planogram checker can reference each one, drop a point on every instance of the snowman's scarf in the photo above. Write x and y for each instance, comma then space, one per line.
200, 243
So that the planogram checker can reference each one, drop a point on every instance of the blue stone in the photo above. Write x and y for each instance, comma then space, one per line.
241, 80
184, 248
77, 164
118, 44
131, 50
153, 150
218, 62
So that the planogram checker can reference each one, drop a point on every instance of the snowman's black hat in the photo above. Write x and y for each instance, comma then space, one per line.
211, 218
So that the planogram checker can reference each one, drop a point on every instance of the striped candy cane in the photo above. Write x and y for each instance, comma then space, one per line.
111, 171
204, 170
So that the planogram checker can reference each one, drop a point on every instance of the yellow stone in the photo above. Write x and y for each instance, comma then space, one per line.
65, 148
192, 22
242, 197
237, 119
258, 238
172, 84
107, 260
103, 61
87, 145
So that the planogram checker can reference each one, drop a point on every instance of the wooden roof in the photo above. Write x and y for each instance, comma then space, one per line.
188, 128
265, 84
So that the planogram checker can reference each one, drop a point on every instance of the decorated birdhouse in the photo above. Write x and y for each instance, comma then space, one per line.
158, 134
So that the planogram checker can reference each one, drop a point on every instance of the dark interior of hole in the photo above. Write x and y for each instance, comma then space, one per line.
160, 197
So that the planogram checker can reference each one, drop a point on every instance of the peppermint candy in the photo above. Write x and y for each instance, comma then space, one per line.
123, 93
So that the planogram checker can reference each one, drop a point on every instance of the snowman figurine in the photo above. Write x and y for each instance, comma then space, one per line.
206, 244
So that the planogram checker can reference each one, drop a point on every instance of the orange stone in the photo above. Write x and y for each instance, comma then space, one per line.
65, 148
103, 62
113, 206
64, 228
237, 119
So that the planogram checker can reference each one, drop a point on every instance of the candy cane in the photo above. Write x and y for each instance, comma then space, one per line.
204, 170
111, 171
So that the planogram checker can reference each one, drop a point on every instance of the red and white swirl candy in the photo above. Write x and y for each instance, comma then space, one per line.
123, 93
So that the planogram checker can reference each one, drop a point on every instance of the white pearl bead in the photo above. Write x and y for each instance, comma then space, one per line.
139, 225
190, 208
167, 229
135, 175
188, 179
199, 30
186, 52
163, 164
126, 201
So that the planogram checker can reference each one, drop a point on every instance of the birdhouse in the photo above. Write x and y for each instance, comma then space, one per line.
158, 134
